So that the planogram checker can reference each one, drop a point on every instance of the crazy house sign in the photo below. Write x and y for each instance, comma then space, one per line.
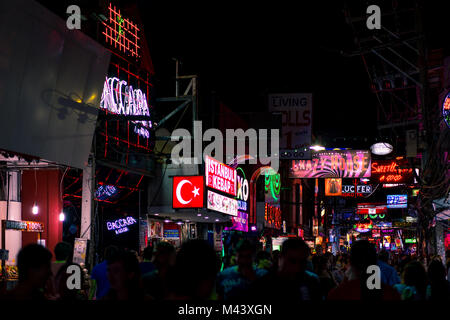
120, 98
333, 164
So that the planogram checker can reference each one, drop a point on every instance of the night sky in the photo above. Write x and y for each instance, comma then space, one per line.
244, 52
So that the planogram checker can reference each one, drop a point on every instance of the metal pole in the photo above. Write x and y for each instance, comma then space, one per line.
176, 78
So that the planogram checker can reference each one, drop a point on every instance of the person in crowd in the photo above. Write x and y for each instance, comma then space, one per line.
414, 282
34, 267
292, 281
146, 265
195, 270
336, 270
156, 282
275, 260
447, 264
124, 277
322, 268
233, 283
389, 275
63, 254
99, 277
439, 287
362, 255
63, 277
263, 260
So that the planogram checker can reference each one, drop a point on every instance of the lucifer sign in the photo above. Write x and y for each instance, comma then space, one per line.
188, 192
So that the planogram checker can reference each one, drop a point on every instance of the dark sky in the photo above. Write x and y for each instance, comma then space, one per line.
243, 52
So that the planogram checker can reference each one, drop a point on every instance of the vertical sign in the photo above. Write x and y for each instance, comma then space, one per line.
296, 111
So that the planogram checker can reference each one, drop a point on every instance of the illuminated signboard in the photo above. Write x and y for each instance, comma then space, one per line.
105, 192
220, 176
391, 172
272, 187
29, 226
121, 33
120, 225
358, 190
240, 222
242, 189
363, 227
222, 204
187, 192
272, 216
372, 210
333, 164
446, 109
333, 187
171, 233
410, 240
397, 201
120, 98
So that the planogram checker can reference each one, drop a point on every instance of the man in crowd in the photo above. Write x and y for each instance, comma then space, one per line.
34, 267
146, 265
99, 277
234, 282
363, 254
291, 282
389, 275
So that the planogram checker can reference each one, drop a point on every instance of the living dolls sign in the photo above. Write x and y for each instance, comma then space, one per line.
333, 164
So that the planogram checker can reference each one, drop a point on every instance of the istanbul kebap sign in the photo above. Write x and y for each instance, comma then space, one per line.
333, 164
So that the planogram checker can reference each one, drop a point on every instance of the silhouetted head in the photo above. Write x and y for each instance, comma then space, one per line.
148, 253
244, 254
195, 270
110, 252
383, 255
34, 265
123, 270
293, 258
362, 255
436, 272
63, 251
164, 255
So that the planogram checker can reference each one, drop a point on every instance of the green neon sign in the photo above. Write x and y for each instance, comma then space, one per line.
272, 182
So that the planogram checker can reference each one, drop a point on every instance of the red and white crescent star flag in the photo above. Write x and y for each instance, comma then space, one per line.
187, 192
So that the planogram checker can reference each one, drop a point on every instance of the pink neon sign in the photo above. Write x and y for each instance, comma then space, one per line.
120, 98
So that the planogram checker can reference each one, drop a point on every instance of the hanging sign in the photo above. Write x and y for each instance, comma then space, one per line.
333, 164
446, 109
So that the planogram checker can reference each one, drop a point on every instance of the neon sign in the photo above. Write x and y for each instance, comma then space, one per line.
120, 225
272, 216
410, 240
390, 172
105, 191
363, 227
121, 33
446, 109
120, 98
333, 164
272, 184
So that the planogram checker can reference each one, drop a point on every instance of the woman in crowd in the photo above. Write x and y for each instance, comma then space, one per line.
439, 287
414, 282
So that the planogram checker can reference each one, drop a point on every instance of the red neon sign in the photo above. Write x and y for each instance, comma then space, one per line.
272, 216
121, 33
390, 172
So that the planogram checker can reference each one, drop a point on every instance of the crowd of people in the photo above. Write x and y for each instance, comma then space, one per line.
194, 272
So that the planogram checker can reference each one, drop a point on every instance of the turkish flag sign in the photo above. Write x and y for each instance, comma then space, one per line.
187, 192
